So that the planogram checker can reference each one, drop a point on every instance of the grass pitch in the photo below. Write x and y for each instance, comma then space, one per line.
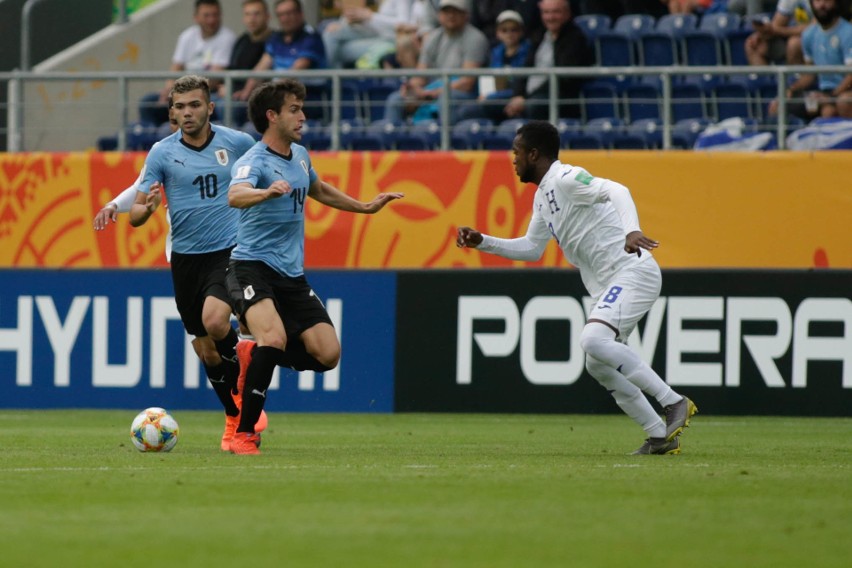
425, 490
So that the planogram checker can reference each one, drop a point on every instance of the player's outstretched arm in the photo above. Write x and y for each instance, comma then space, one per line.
636, 241
145, 205
329, 195
468, 237
121, 204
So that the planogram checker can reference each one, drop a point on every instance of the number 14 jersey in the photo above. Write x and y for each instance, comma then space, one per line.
273, 231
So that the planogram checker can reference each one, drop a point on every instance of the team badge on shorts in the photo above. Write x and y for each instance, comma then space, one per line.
248, 292
222, 157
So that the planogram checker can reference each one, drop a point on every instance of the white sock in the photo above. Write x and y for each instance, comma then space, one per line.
598, 340
627, 396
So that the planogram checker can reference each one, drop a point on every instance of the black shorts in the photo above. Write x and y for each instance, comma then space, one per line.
196, 276
250, 281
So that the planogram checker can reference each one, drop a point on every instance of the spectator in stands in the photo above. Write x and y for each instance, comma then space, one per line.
484, 13
205, 46
560, 44
512, 50
827, 42
361, 31
695, 6
779, 39
409, 36
248, 50
295, 46
455, 44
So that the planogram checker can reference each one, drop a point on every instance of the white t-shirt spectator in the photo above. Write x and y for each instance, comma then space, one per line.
196, 53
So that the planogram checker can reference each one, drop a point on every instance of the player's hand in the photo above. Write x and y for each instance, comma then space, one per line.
636, 241
381, 200
468, 237
277, 189
154, 198
104, 216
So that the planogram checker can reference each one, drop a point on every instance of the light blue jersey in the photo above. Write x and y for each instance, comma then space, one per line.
828, 47
195, 181
273, 231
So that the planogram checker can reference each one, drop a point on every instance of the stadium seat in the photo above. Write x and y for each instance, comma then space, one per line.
467, 134
650, 129
676, 25
731, 100
720, 23
687, 102
315, 136
633, 25
385, 130
604, 129
702, 49
429, 131
502, 136
349, 129
408, 141
569, 128
374, 97
642, 101
684, 132
658, 49
598, 100
592, 25
248, 128
141, 136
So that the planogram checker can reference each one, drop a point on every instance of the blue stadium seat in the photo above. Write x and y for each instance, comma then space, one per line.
684, 132
687, 102
702, 49
720, 23
248, 128
598, 100
676, 25
141, 136
658, 49
633, 25
614, 49
411, 142
374, 97
429, 131
569, 128
385, 130
604, 129
501, 137
731, 100
467, 134
642, 101
649, 129
592, 25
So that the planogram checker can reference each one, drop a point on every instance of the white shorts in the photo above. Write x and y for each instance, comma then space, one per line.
628, 297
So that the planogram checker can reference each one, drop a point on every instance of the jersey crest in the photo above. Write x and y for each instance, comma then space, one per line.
222, 156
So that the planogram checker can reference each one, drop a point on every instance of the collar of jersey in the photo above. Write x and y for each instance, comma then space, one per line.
203, 146
288, 158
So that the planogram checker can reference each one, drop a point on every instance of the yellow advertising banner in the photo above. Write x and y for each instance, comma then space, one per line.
708, 210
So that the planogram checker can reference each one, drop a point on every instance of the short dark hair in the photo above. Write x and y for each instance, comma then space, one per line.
298, 3
270, 96
189, 83
541, 135
200, 3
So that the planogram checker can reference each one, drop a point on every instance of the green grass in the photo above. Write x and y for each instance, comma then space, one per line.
425, 490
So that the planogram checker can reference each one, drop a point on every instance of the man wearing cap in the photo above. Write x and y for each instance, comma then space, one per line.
455, 44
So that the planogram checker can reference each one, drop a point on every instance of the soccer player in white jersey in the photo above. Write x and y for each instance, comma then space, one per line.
269, 185
193, 167
595, 223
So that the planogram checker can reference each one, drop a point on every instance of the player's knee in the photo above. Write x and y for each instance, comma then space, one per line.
593, 366
206, 351
594, 337
216, 326
328, 359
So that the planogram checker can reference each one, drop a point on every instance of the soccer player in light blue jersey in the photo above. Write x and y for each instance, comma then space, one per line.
269, 186
193, 168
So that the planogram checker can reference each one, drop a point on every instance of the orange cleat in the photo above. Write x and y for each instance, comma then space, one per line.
244, 349
245, 444
231, 423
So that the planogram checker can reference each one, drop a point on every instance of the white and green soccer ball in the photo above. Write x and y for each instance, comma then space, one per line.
154, 430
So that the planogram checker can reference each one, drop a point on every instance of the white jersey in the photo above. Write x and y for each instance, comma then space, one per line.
589, 217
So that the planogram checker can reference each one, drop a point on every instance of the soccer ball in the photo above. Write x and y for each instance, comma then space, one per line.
154, 430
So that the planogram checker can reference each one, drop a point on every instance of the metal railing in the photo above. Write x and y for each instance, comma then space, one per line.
18, 81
